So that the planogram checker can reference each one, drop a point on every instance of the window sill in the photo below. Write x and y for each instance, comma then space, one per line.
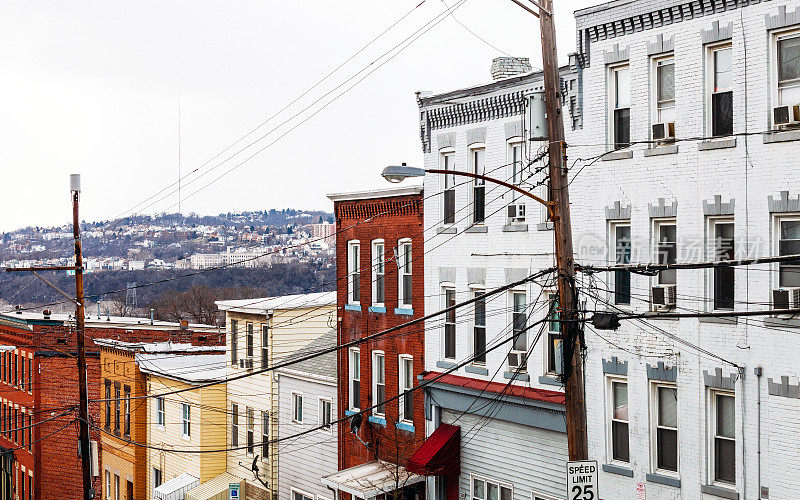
545, 226
478, 370
725, 320
782, 322
550, 380
405, 426
352, 307
617, 469
716, 144
661, 150
404, 312
445, 364
622, 154
719, 491
349, 413
658, 315
477, 229
662, 479
517, 376
375, 419
446, 230
515, 228
377, 309
781, 136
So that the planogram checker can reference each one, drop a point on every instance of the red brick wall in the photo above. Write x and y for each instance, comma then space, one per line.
403, 220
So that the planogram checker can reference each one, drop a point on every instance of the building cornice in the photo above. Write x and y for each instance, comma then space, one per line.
376, 193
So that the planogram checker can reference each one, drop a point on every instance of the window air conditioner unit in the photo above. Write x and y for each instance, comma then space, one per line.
783, 116
515, 359
664, 131
663, 297
516, 212
786, 298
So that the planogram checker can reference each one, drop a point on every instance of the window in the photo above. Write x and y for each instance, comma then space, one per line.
249, 341
788, 65
789, 244
117, 491
127, 427
723, 276
666, 250
478, 159
622, 255
297, 407
555, 359
406, 383
479, 329
665, 89
516, 160
30, 375
404, 272
108, 405
378, 382
720, 85
299, 495
449, 202
519, 344
724, 432
325, 413
156, 477
620, 107
665, 427
186, 420
620, 450
160, 411
234, 341
251, 431
30, 432
264, 346
354, 367
108, 484
485, 489
450, 324
354, 272
234, 425
264, 435
378, 274
117, 405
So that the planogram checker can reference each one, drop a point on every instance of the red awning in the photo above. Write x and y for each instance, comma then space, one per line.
440, 454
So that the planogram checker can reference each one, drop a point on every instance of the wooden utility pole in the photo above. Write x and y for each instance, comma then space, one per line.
83, 410
571, 332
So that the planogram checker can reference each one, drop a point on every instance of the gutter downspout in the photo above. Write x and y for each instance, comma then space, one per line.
744, 455
759, 371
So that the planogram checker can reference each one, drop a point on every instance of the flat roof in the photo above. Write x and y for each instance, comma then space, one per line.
95, 321
284, 302
376, 193
162, 347
188, 368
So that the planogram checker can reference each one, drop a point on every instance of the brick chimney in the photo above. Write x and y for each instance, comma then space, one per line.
504, 67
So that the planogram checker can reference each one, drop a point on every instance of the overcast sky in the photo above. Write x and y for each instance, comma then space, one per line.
93, 88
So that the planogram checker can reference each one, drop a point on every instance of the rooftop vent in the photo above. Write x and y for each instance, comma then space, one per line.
504, 67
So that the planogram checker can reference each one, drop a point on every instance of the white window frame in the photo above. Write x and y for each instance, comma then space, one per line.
712, 434
654, 105
777, 241
404, 270
523, 366
447, 161
610, 381
516, 177
351, 377
709, 87
712, 256
541, 496
612, 260
476, 291
775, 92
378, 270
161, 412
657, 224
295, 407
234, 424
445, 287
613, 70
353, 246
186, 423
265, 444
306, 494
250, 418
321, 413
473, 148
551, 295
375, 355
653, 426
402, 389
486, 481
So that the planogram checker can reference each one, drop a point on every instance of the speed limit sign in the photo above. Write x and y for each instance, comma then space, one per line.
582, 480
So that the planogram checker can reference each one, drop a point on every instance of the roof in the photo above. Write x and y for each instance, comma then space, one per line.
593, 9
213, 487
179, 484
543, 395
266, 304
371, 479
376, 193
157, 346
188, 368
94, 321
323, 365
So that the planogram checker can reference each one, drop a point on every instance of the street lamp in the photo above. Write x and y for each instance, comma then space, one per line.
398, 173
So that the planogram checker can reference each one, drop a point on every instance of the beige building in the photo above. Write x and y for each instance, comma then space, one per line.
190, 420
260, 332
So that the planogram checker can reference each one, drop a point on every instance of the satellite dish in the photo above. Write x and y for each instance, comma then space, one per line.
355, 423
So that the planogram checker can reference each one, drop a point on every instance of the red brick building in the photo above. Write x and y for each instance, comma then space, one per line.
39, 392
380, 285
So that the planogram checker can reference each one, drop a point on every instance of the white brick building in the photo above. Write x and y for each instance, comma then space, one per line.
718, 421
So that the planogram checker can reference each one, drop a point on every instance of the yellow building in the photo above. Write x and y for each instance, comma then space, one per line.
260, 332
192, 420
